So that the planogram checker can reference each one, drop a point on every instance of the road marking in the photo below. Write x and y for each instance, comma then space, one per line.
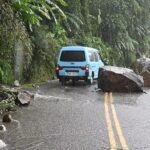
117, 125
109, 125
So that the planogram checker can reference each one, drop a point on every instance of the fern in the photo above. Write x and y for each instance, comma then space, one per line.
28, 10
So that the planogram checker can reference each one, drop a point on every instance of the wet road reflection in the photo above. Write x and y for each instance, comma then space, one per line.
73, 118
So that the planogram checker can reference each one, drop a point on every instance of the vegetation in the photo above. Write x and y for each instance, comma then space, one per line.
35, 30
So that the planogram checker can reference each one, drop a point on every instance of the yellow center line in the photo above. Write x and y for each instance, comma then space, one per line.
109, 125
117, 125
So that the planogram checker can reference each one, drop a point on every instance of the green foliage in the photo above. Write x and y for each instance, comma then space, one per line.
73, 23
123, 27
147, 45
59, 33
11, 30
44, 54
107, 53
7, 101
32, 11
119, 29
6, 72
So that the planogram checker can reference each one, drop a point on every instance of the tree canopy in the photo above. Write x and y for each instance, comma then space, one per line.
119, 29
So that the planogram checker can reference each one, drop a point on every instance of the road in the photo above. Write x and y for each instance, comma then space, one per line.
80, 118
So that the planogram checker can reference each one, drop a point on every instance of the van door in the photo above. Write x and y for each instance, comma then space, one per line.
98, 64
95, 63
92, 63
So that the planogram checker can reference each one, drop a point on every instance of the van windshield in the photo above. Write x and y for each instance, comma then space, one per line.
72, 56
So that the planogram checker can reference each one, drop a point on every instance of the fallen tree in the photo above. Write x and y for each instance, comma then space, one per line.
119, 79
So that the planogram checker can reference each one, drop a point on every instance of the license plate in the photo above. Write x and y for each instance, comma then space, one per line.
72, 73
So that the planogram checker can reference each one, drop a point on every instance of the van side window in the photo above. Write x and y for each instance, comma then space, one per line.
91, 56
96, 57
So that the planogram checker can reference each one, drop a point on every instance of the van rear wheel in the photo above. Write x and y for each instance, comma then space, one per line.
90, 81
73, 82
63, 81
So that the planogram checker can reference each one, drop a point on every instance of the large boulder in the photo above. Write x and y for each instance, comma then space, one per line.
119, 79
143, 68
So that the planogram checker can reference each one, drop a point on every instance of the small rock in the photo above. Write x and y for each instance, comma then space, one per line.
2, 144
24, 98
146, 78
143, 68
98, 89
16, 83
2, 128
143, 63
35, 86
7, 118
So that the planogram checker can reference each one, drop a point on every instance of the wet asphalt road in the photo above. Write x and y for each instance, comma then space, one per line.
80, 118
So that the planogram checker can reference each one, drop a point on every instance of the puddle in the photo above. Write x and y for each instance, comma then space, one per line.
51, 98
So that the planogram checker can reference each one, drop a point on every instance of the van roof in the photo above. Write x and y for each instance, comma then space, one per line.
77, 48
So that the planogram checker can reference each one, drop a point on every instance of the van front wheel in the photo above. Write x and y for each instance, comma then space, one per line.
73, 82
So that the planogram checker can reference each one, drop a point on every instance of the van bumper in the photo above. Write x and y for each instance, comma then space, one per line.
67, 77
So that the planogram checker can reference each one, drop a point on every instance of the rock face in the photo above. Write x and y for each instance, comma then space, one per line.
143, 68
119, 80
